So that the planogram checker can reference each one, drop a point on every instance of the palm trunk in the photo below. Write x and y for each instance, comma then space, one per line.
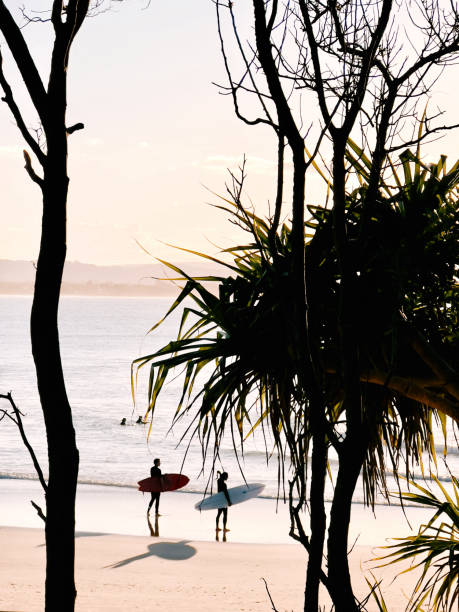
353, 449
340, 586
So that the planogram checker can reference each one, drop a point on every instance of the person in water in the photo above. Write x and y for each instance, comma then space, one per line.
155, 472
222, 488
123, 421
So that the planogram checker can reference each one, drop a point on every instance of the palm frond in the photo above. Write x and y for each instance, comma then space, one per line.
435, 549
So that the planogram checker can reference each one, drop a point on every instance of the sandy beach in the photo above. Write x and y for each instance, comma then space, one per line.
140, 573
190, 571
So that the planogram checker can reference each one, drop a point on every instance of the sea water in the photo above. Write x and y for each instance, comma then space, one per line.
100, 337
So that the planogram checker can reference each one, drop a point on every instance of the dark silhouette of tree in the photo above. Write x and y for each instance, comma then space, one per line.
48, 147
244, 339
349, 61
351, 342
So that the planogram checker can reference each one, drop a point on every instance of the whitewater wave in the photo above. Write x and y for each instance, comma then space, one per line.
270, 493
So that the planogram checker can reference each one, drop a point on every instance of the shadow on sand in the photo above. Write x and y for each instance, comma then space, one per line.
175, 551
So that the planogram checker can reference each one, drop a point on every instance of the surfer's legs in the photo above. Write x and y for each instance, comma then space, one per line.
154, 498
221, 511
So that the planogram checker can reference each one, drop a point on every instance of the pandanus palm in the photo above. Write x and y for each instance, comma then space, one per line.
244, 341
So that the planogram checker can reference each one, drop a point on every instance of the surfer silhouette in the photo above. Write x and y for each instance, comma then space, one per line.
123, 421
222, 488
155, 472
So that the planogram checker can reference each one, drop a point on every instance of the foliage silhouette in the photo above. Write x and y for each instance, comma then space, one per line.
438, 545
244, 341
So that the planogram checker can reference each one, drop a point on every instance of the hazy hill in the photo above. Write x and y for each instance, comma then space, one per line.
17, 277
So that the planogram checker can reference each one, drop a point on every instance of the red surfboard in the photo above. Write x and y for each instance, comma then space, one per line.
168, 482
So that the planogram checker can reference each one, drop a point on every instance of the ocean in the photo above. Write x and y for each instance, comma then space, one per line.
100, 336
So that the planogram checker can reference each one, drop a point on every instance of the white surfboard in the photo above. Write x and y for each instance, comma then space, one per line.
237, 495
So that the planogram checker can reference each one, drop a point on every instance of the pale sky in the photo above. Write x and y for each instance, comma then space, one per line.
157, 133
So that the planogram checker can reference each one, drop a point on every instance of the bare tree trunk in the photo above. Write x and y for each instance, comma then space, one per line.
62, 451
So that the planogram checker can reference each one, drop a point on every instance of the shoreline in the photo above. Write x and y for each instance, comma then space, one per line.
123, 511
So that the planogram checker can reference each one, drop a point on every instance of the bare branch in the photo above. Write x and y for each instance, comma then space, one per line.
318, 81
430, 59
425, 135
18, 421
39, 510
76, 11
30, 171
9, 100
269, 595
24, 61
235, 87
287, 124
74, 128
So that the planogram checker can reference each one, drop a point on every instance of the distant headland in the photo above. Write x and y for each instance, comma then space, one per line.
17, 277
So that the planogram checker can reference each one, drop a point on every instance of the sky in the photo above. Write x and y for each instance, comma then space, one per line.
159, 138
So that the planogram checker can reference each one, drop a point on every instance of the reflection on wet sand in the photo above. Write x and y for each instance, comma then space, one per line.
223, 533
154, 531
220, 534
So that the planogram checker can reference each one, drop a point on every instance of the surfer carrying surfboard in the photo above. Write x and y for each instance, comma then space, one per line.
222, 488
155, 472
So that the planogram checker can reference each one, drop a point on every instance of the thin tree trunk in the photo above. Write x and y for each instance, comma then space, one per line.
318, 518
340, 586
62, 450
353, 450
